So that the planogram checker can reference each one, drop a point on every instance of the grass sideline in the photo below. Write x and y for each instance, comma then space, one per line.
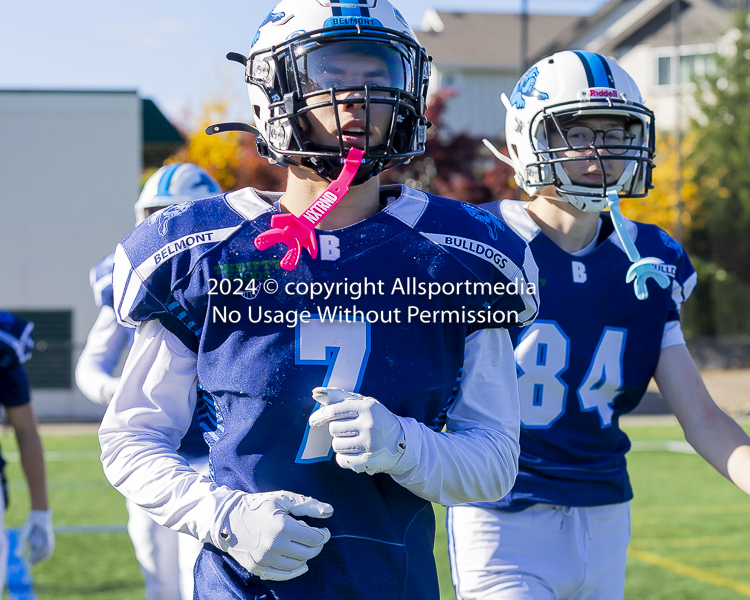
690, 533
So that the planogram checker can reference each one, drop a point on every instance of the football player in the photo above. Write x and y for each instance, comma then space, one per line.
580, 139
166, 559
326, 443
37, 538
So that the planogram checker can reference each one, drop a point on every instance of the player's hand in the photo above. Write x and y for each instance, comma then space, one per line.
367, 437
261, 535
37, 537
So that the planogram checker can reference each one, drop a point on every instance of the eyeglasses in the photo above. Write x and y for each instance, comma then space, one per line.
582, 136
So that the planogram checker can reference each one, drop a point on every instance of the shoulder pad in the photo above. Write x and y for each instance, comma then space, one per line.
486, 247
474, 236
191, 228
152, 261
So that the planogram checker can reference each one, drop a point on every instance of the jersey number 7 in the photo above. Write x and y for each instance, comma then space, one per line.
343, 346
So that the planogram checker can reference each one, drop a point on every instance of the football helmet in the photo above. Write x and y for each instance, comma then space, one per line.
553, 93
174, 184
292, 70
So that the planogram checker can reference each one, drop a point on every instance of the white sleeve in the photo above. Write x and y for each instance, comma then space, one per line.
477, 460
143, 426
673, 335
104, 345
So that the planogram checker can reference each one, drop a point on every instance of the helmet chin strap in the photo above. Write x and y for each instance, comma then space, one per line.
299, 232
642, 268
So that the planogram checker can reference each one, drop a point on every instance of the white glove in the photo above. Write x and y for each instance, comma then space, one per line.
37, 536
260, 534
367, 437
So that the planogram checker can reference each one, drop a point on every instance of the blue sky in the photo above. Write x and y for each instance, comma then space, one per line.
169, 50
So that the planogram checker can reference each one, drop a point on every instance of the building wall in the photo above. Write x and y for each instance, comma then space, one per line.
69, 174
476, 108
641, 63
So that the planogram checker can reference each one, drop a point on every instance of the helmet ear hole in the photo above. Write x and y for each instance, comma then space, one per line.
256, 111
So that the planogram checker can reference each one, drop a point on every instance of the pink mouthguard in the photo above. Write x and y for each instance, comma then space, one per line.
299, 232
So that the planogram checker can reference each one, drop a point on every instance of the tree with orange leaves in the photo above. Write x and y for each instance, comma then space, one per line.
230, 157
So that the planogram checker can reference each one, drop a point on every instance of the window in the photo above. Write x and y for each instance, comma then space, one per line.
683, 67
687, 69
665, 70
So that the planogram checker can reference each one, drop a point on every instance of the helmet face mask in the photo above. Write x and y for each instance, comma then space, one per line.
562, 95
374, 67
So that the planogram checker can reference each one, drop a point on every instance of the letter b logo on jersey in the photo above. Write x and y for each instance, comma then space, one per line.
329, 247
579, 272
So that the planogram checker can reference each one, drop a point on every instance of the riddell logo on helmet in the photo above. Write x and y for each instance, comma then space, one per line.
603, 93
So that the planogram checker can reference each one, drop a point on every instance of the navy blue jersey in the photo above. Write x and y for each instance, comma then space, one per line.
586, 360
15, 340
265, 338
14, 386
15, 349
100, 277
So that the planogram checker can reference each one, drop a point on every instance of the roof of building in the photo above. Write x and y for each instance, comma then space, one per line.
486, 40
622, 24
160, 137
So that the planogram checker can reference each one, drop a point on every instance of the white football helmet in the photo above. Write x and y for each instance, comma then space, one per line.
288, 75
560, 88
174, 184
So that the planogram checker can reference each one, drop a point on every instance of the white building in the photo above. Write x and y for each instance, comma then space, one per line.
640, 35
479, 54
70, 167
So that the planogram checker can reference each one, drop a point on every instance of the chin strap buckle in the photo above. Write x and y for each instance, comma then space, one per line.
642, 268
299, 232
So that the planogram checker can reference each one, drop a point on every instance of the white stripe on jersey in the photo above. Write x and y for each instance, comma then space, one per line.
248, 204
20, 346
124, 289
409, 207
484, 251
186, 242
680, 293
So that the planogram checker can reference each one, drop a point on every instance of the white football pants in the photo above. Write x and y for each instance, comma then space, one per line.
542, 553
166, 557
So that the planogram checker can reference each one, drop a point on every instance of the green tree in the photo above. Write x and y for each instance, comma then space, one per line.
721, 157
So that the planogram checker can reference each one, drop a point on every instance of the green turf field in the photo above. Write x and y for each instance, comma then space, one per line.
691, 538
